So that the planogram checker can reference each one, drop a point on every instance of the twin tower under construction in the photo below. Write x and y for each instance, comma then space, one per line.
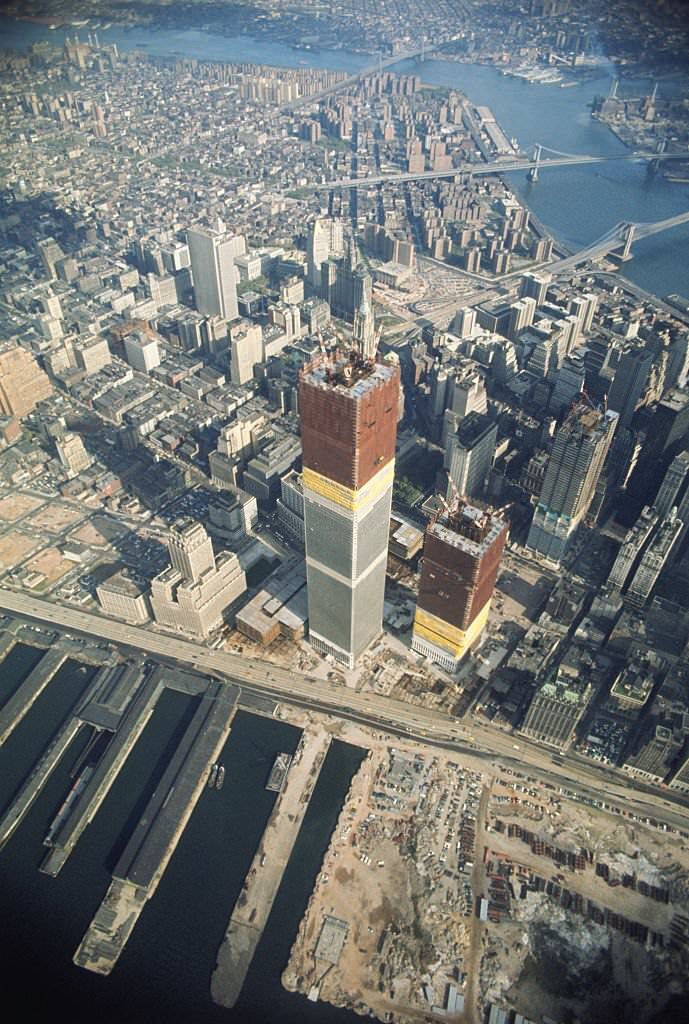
349, 408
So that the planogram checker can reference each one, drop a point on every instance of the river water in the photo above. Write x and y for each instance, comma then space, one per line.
578, 204
164, 972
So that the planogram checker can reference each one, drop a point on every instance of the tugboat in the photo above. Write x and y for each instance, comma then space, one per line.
212, 778
221, 777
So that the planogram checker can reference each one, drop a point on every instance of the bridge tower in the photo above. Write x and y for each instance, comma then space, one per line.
654, 165
532, 174
628, 239
423, 49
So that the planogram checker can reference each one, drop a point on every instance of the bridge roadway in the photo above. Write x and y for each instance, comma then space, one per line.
371, 69
493, 167
375, 711
614, 238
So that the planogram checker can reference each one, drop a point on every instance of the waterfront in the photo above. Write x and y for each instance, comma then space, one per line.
166, 967
578, 204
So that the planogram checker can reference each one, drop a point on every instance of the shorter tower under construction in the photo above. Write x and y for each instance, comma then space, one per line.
461, 559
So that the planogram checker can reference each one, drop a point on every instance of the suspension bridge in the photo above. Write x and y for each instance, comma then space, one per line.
533, 166
422, 51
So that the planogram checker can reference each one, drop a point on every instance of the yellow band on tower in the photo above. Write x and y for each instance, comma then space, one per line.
445, 635
351, 498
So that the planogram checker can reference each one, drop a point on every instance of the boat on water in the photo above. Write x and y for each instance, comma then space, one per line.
220, 778
213, 776
278, 773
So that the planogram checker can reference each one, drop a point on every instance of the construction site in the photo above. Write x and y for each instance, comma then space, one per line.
452, 891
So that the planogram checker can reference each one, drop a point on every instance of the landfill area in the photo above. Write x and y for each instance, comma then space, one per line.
446, 891
399, 877
585, 912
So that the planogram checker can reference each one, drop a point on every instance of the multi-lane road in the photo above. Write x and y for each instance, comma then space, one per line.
373, 710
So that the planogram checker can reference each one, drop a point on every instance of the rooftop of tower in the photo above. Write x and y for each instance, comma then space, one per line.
469, 528
347, 373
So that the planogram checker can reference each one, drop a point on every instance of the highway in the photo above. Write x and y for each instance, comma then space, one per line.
372, 710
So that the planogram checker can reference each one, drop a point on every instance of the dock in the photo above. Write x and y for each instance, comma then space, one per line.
99, 784
261, 885
147, 854
7, 642
40, 773
21, 702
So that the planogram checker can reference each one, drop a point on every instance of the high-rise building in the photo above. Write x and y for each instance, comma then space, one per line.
556, 709
345, 285
195, 589
348, 411
22, 382
521, 316
246, 349
654, 559
535, 286
461, 560
142, 351
575, 464
673, 481
631, 547
364, 333
629, 383
212, 256
73, 454
325, 240
469, 455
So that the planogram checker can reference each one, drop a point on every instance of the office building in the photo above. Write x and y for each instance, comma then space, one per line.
629, 383
464, 323
345, 285
348, 410
142, 351
125, 596
246, 350
22, 382
631, 547
325, 239
673, 482
196, 588
556, 709
574, 467
73, 454
535, 286
654, 559
521, 316
364, 332
213, 269
461, 560
290, 506
469, 455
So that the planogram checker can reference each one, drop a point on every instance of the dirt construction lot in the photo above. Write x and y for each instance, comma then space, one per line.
51, 563
14, 506
98, 532
56, 517
14, 546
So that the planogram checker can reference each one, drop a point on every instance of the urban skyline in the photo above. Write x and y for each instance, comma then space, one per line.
344, 511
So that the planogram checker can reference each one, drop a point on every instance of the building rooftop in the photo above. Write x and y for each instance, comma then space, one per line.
470, 528
347, 374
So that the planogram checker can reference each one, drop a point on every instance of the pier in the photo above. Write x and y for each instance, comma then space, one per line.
30, 690
99, 784
7, 642
146, 855
261, 885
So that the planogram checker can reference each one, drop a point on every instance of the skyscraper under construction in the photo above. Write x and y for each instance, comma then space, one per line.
348, 409
461, 559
